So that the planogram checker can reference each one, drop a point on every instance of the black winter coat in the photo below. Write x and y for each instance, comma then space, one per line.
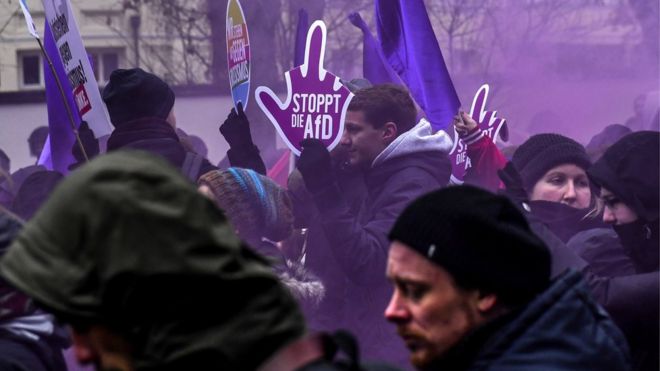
562, 329
632, 300
156, 136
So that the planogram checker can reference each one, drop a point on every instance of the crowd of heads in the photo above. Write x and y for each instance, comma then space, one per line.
157, 259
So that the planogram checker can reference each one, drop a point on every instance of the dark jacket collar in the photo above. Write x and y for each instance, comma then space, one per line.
565, 221
142, 129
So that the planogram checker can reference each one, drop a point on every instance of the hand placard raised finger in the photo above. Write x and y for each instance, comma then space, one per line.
315, 51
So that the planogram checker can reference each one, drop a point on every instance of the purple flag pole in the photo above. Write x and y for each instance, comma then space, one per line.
411, 48
374, 66
301, 38
62, 121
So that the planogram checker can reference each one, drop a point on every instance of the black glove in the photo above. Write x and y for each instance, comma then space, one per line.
513, 184
88, 140
236, 129
315, 165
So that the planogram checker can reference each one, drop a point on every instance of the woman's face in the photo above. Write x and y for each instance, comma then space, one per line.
616, 212
567, 184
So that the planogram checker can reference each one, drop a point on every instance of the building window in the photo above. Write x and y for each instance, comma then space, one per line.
31, 69
104, 62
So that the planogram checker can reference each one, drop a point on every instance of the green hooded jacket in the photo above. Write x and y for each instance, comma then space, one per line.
127, 242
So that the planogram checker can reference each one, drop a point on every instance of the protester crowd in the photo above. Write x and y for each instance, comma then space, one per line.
149, 257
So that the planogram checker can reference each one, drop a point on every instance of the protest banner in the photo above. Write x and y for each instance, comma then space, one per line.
72, 54
62, 125
316, 101
238, 53
491, 125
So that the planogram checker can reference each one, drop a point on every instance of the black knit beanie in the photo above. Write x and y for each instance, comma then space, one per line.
542, 152
134, 94
629, 169
480, 238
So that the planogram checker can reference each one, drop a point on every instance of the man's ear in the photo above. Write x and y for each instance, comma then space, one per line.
486, 302
390, 131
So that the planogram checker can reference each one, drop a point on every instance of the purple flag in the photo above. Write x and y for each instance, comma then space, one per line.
374, 66
301, 38
61, 137
409, 45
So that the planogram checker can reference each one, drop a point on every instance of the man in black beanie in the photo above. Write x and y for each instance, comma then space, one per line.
141, 108
472, 290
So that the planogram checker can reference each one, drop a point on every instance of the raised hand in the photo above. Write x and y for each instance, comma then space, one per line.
315, 165
316, 101
463, 123
236, 128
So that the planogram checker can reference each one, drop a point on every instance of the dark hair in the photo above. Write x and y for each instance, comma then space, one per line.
4, 161
39, 134
386, 103
34, 191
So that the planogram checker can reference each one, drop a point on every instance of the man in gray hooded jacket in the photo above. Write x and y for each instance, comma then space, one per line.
399, 161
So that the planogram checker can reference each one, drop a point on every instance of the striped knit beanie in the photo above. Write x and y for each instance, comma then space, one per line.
255, 204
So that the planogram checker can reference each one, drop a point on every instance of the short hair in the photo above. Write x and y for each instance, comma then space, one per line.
39, 134
386, 103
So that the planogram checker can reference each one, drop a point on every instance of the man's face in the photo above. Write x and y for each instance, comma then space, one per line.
361, 140
430, 312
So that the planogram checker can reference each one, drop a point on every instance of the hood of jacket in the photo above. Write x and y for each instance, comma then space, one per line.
419, 147
630, 169
135, 277
418, 139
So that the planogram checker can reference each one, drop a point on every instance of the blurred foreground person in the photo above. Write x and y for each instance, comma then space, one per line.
627, 175
472, 291
150, 276
30, 340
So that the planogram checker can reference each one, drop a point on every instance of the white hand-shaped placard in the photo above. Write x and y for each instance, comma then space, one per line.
316, 101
